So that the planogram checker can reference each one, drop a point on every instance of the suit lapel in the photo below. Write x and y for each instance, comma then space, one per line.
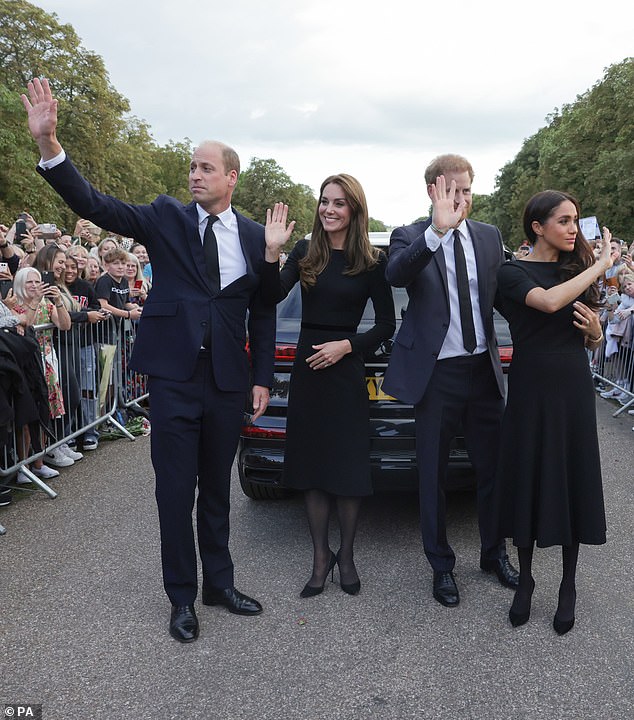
245, 244
195, 245
439, 260
479, 251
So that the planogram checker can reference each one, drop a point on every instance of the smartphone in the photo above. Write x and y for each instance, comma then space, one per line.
48, 277
4, 267
20, 230
138, 284
5, 286
49, 230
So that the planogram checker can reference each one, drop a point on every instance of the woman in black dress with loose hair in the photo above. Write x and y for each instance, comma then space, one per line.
327, 451
549, 477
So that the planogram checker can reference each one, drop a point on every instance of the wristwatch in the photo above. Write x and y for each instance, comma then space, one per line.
4, 245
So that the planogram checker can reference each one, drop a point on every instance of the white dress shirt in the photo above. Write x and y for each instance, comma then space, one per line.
230, 256
453, 343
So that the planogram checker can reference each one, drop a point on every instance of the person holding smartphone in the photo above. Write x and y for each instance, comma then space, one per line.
137, 283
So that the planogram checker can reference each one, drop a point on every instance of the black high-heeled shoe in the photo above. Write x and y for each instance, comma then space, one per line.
312, 590
561, 627
522, 618
352, 588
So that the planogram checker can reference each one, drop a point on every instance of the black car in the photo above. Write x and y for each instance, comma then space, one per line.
391, 428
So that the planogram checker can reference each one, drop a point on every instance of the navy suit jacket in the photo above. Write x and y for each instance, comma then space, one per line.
180, 303
411, 264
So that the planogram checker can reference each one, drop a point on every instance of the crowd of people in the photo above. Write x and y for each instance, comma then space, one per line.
540, 488
76, 285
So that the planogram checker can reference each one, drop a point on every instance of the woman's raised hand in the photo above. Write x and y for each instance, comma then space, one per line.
276, 232
604, 256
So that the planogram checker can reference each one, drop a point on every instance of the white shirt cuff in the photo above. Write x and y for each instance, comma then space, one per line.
432, 240
53, 162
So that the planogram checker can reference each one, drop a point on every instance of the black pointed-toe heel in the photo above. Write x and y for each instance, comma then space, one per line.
351, 588
312, 590
561, 627
521, 618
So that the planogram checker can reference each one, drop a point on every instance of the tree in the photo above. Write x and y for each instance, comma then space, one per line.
587, 149
263, 184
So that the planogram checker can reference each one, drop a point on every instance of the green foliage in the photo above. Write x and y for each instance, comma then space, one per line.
376, 225
586, 149
263, 184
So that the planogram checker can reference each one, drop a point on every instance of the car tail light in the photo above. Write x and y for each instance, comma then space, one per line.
253, 431
285, 353
506, 355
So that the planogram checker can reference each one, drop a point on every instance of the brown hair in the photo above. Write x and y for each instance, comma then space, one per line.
447, 163
360, 255
117, 253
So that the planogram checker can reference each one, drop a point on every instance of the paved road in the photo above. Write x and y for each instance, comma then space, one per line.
83, 620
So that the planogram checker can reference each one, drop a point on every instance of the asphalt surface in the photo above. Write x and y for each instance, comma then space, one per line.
83, 617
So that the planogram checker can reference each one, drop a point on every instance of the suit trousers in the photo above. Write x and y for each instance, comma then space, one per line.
462, 394
195, 433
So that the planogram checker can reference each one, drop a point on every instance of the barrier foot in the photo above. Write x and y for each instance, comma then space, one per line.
2, 530
121, 428
39, 482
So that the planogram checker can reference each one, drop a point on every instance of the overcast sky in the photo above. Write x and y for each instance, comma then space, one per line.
372, 88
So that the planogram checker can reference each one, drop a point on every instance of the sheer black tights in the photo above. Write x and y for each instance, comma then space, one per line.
318, 512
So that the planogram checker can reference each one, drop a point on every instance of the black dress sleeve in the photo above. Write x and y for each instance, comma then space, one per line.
384, 315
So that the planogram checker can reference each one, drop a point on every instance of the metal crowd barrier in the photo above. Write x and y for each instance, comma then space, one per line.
90, 362
612, 363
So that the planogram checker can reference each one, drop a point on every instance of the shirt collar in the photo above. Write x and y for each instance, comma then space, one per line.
226, 217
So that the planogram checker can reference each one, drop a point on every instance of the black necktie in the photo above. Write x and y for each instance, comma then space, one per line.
462, 280
210, 248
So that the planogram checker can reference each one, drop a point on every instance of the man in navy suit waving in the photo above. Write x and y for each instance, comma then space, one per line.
208, 264
445, 360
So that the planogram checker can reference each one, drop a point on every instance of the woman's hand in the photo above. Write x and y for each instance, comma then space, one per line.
276, 233
604, 257
10, 300
623, 314
52, 291
444, 214
328, 354
587, 320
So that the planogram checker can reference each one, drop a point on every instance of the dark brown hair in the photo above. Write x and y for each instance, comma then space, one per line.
360, 255
541, 207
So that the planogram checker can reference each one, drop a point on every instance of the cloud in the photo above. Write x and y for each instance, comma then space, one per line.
353, 83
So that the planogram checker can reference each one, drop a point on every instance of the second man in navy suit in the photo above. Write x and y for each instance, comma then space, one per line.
445, 360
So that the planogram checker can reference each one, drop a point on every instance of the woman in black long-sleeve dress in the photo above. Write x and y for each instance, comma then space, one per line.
549, 476
327, 445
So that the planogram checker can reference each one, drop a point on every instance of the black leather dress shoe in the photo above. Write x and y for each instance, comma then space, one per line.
507, 574
184, 623
233, 600
445, 589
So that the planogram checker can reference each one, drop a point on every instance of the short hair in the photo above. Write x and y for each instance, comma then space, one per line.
230, 158
447, 163
628, 277
114, 255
